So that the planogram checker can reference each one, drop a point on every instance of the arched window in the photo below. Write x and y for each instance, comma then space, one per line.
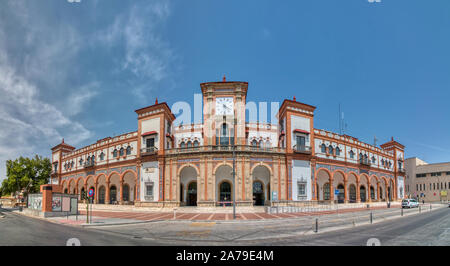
71, 165
330, 149
224, 138
373, 159
338, 151
352, 154
196, 143
189, 144
182, 145
128, 150
326, 191
224, 129
372, 192
102, 156
323, 148
115, 153
121, 151
352, 193
254, 143
81, 161
93, 159
261, 144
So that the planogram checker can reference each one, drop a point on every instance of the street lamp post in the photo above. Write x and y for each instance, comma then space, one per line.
234, 171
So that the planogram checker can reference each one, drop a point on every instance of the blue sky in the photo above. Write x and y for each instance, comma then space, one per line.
79, 70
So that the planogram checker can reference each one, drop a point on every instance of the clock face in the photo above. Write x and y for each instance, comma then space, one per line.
224, 106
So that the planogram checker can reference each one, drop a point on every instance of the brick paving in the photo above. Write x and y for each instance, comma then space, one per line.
152, 216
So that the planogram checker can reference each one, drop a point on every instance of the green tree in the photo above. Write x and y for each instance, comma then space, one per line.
26, 174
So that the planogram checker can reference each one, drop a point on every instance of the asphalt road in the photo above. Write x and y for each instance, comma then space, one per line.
19, 230
428, 228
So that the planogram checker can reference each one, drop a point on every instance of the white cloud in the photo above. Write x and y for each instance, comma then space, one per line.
35, 61
43, 83
77, 100
146, 54
28, 125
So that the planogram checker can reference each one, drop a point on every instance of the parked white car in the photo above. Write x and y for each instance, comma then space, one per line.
410, 203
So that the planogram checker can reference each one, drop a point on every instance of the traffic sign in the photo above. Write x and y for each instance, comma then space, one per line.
336, 192
91, 192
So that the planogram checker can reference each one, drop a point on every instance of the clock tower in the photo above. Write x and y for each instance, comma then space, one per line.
224, 112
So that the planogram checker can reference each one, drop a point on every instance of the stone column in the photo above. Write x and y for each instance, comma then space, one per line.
378, 192
345, 192
96, 193
369, 192
107, 193
386, 192
121, 192
331, 190
358, 194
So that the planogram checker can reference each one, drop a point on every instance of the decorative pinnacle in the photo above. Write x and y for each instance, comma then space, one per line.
224, 79
156, 101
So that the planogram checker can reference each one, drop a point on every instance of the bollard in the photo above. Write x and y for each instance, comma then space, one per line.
402, 210
371, 217
317, 226
419, 209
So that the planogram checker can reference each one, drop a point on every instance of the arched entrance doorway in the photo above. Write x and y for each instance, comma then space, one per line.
341, 195
112, 194
260, 185
126, 192
82, 194
362, 193
129, 179
224, 179
258, 193
372, 193
191, 199
323, 185
326, 191
188, 186
352, 193
225, 192
101, 195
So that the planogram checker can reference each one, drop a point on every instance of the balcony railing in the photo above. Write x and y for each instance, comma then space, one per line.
228, 148
401, 170
149, 151
302, 149
364, 162
89, 164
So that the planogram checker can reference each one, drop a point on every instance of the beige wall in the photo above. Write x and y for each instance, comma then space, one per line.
420, 186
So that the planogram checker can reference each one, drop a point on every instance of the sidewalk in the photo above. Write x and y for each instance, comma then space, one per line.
119, 217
